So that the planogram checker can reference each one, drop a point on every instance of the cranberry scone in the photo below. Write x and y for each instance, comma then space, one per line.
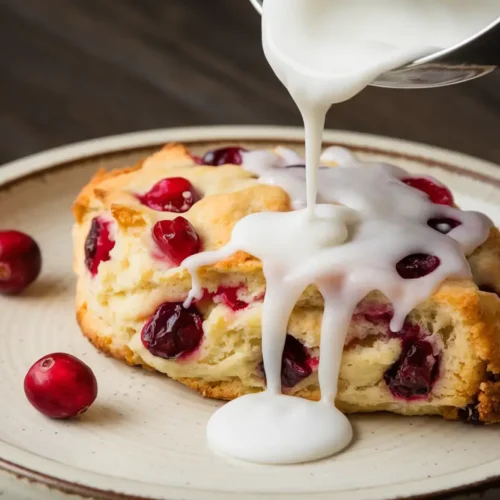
135, 226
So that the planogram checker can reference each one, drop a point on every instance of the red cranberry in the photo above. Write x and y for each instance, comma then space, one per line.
295, 365
229, 296
173, 194
437, 194
20, 261
417, 265
176, 238
60, 386
414, 373
443, 225
98, 244
173, 331
223, 156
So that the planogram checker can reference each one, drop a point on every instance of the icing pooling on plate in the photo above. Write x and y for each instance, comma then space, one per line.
350, 243
369, 221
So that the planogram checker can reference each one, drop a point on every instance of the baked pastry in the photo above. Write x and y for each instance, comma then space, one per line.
134, 227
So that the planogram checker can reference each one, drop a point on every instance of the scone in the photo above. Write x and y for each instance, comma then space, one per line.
135, 226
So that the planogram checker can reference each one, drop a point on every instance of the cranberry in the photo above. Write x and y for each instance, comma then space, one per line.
229, 296
376, 314
20, 261
176, 238
417, 265
173, 194
414, 373
437, 194
443, 225
223, 156
173, 331
295, 365
60, 386
98, 244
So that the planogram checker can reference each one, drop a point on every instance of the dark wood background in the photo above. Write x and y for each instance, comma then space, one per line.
78, 69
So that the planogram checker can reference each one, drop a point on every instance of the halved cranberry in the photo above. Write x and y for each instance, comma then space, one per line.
98, 244
173, 194
59, 385
176, 238
173, 331
223, 156
417, 265
443, 225
229, 296
437, 194
20, 261
414, 373
295, 365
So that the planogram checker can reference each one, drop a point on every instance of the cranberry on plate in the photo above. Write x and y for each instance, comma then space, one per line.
20, 261
59, 385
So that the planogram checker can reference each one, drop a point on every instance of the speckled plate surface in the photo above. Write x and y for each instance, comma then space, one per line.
144, 438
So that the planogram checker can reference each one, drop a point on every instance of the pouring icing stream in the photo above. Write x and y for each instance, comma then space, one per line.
349, 244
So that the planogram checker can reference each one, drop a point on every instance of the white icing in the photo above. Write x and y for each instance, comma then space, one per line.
367, 220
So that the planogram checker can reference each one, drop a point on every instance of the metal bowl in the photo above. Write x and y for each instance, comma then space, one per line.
476, 56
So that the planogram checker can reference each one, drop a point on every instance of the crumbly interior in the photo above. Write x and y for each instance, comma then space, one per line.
112, 307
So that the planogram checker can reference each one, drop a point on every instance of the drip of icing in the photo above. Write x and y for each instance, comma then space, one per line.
348, 245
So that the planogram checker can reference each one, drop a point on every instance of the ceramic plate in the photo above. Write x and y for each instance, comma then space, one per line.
144, 438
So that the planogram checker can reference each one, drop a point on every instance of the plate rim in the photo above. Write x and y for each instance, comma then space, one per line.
63, 157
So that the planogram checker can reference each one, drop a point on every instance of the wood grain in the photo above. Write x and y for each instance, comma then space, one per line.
78, 69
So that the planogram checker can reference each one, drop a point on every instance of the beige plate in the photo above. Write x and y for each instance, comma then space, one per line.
145, 435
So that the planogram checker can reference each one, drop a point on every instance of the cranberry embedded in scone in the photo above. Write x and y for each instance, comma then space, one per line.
417, 265
222, 156
173, 331
173, 194
414, 373
437, 194
176, 238
228, 295
295, 365
98, 244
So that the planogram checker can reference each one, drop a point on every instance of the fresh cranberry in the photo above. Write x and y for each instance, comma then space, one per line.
223, 156
60, 386
229, 296
20, 261
414, 373
443, 225
437, 194
417, 265
98, 244
173, 194
173, 331
295, 365
176, 238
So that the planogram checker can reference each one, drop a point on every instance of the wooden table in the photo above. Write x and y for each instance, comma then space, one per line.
78, 69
